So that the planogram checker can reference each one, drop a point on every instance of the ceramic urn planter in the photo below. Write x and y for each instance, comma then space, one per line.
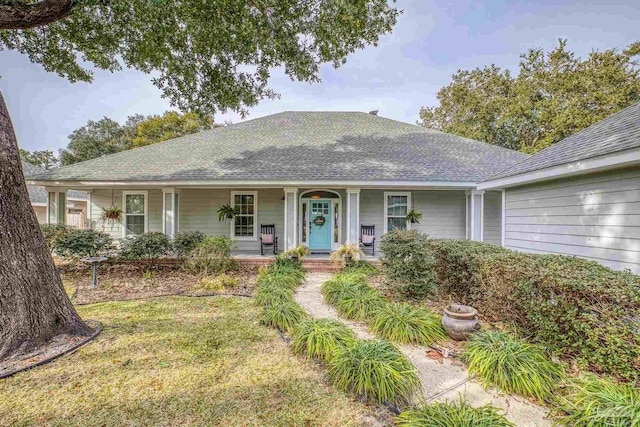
459, 321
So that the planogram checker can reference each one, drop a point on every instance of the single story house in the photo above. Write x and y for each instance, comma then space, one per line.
318, 177
76, 205
580, 196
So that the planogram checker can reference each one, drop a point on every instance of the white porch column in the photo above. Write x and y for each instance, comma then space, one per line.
170, 211
475, 215
353, 215
56, 205
290, 217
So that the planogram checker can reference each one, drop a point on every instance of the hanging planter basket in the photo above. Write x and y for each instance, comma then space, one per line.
226, 212
111, 216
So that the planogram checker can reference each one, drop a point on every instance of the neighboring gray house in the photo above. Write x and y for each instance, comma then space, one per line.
581, 196
76, 206
317, 176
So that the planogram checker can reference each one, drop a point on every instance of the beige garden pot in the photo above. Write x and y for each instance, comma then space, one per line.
460, 321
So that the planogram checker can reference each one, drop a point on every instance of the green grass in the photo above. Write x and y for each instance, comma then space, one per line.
450, 414
178, 361
596, 402
404, 324
272, 294
361, 267
282, 273
320, 338
511, 364
358, 302
376, 370
284, 316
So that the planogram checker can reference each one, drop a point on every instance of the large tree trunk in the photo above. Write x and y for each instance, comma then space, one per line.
34, 307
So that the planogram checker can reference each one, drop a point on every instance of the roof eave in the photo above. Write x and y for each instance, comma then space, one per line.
615, 160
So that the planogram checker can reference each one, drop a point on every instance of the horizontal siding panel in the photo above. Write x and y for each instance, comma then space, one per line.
594, 216
632, 245
631, 208
584, 198
616, 265
630, 232
581, 251
492, 217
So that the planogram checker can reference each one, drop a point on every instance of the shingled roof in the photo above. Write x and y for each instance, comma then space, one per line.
618, 132
302, 146
38, 194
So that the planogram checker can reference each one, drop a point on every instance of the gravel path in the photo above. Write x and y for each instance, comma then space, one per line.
440, 381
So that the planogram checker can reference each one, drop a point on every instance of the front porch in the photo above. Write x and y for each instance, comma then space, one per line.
322, 218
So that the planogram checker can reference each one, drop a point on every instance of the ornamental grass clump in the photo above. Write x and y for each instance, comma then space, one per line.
284, 316
359, 302
333, 289
283, 274
592, 402
511, 364
271, 294
450, 414
402, 323
321, 338
376, 370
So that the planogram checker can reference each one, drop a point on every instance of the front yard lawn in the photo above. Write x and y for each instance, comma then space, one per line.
178, 361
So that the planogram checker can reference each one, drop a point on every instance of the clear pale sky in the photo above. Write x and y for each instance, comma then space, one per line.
431, 40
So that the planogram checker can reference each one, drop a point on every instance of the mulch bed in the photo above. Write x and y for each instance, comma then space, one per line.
119, 282
58, 346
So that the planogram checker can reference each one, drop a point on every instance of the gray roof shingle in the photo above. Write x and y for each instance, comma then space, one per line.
305, 146
38, 194
618, 132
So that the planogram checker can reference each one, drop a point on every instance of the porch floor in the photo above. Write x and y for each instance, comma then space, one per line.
270, 255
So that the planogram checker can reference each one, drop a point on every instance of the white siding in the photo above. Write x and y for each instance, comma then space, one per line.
594, 216
443, 212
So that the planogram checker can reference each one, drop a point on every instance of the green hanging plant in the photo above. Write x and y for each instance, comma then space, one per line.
414, 217
113, 214
226, 212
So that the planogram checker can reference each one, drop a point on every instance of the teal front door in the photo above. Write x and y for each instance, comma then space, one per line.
320, 225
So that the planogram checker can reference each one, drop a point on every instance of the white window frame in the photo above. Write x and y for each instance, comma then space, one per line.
124, 210
255, 216
388, 194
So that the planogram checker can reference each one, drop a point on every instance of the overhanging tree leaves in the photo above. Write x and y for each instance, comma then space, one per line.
554, 95
205, 56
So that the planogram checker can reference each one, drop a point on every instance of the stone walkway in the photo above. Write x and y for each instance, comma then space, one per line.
440, 381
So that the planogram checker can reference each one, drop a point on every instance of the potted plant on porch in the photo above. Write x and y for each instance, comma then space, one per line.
347, 253
226, 212
297, 253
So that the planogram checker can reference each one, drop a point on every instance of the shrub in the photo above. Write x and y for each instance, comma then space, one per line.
511, 364
579, 310
376, 370
148, 245
51, 232
81, 243
320, 338
593, 401
284, 316
447, 414
186, 241
218, 283
358, 302
402, 323
407, 263
273, 295
211, 256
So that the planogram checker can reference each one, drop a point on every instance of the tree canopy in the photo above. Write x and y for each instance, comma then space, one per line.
554, 95
106, 136
206, 56
45, 159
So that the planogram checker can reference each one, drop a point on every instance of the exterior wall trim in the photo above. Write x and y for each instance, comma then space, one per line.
594, 164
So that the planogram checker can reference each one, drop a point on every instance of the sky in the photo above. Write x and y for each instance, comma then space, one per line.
430, 42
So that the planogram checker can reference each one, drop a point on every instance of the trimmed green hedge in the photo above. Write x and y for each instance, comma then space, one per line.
579, 310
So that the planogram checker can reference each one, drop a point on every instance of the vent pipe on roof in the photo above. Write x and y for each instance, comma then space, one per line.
373, 112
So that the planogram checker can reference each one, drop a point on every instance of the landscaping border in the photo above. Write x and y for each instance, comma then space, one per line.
62, 353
